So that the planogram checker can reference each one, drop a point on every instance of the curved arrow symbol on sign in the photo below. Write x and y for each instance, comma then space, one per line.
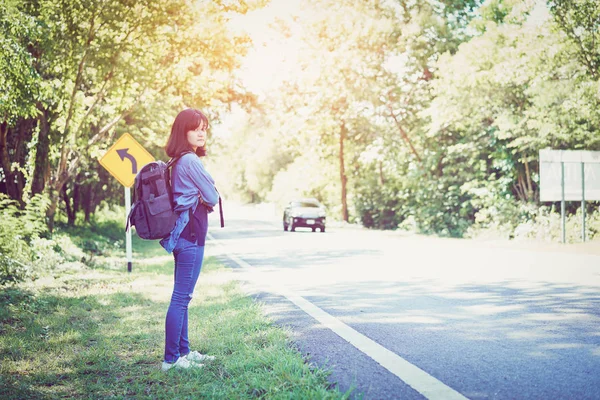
123, 153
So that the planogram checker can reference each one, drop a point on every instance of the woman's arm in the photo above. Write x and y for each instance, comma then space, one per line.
204, 182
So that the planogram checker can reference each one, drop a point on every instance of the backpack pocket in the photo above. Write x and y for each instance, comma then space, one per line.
138, 219
161, 217
158, 205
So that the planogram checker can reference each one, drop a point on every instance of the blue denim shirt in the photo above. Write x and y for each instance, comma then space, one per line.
189, 182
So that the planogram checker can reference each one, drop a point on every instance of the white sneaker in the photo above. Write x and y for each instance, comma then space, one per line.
197, 357
181, 363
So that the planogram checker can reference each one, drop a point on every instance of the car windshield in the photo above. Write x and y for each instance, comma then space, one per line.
304, 204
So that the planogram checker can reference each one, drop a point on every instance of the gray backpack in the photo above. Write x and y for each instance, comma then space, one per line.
152, 211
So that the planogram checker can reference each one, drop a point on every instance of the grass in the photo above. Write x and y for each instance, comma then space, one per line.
99, 333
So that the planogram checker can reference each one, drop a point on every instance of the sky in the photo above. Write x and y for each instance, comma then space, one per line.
268, 59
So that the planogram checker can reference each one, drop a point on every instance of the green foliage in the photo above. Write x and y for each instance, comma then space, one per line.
96, 243
427, 114
27, 251
46, 253
83, 73
379, 201
109, 222
580, 20
32, 218
12, 270
441, 208
380, 209
528, 222
20, 243
19, 80
438, 120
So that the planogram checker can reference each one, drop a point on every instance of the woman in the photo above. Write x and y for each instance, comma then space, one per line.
194, 195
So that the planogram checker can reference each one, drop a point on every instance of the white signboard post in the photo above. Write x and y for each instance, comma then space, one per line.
570, 175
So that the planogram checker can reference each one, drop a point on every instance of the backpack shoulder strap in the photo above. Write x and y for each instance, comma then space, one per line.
221, 212
173, 160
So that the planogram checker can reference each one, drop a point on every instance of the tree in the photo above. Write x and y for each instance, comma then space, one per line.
20, 83
506, 94
341, 52
580, 20
103, 66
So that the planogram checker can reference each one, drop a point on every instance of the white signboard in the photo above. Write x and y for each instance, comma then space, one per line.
576, 164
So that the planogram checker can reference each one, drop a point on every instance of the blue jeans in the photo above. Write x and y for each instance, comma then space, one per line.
188, 262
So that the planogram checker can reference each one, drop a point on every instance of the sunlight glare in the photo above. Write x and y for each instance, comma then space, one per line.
271, 56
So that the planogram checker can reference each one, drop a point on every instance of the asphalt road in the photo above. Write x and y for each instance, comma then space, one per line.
427, 317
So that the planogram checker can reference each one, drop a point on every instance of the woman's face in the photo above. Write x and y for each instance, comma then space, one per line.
197, 137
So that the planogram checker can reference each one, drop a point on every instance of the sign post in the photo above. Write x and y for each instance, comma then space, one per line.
570, 175
122, 161
563, 217
128, 250
583, 201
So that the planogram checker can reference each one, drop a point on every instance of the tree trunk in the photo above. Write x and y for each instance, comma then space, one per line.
343, 177
86, 199
76, 196
12, 150
381, 176
403, 134
55, 191
528, 180
5, 161
25, 133
62, 173
72, 201
70, 212
520, 187
40, 172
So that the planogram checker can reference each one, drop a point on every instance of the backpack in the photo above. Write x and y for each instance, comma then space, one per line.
152, 212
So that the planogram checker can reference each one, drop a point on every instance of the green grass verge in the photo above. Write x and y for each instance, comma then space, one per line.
98, 333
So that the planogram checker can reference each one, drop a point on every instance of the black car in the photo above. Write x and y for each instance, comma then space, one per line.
306, 213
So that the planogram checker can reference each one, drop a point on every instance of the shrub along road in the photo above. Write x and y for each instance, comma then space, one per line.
447, 318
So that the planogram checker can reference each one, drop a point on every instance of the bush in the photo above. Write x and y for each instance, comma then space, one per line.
109, 222
46, 253
546, 224
379, 209
380, 196
27, 249
18, 229
12, 271
104, 233
67, 248
528, 221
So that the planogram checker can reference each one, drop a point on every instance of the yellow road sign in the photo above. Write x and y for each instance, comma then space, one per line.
125, 158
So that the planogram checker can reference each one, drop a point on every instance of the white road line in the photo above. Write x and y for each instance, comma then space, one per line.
412, 375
